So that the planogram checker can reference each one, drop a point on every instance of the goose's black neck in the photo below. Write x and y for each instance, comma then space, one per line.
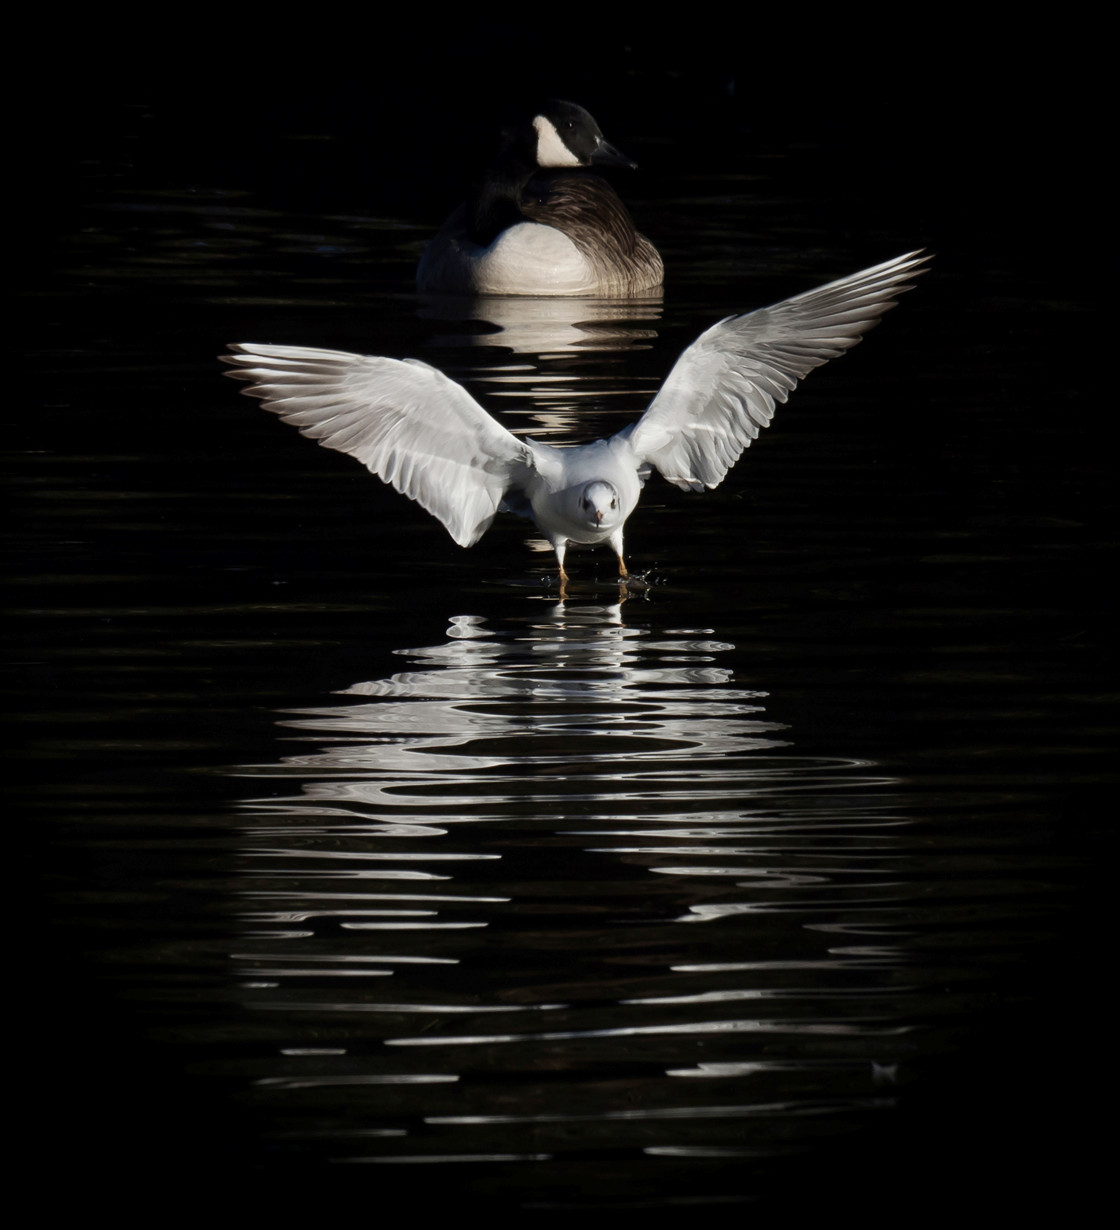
495, 199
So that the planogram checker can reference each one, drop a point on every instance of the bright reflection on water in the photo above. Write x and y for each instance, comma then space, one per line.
550, 326
462, 908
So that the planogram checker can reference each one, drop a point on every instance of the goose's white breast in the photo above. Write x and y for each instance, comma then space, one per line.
532, 259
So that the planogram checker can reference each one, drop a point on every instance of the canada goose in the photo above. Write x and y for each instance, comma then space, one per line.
536, 225
420, 431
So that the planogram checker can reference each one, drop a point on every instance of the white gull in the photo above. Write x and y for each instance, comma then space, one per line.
417, 429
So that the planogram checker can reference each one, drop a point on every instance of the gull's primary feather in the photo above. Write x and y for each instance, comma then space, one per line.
405, 421
724, 387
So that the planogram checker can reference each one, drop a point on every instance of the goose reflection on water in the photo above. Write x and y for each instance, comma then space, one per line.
539, 328
555, 371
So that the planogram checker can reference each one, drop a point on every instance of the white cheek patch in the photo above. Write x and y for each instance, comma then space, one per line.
551, 150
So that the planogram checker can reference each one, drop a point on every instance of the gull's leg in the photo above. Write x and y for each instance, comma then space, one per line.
616, 541
561, 548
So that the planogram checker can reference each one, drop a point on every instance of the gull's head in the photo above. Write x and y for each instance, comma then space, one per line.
599, 505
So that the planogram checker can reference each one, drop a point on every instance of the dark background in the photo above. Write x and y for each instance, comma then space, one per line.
985, 138
983, 147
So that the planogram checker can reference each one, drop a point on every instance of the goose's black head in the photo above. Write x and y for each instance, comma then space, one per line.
558, 136
567, 136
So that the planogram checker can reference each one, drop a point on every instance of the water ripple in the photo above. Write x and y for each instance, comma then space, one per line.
579, 785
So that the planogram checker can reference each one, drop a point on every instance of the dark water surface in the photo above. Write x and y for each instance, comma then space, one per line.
368, 860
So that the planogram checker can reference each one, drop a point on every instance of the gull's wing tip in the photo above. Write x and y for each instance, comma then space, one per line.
237, 351
909, 263
242, 355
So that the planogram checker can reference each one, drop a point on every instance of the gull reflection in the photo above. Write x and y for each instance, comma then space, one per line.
641, 738
488, 853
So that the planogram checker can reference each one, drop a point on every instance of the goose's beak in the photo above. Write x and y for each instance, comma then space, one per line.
606, 155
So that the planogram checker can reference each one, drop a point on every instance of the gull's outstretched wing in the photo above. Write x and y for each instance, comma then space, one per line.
408, 423
723, 388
